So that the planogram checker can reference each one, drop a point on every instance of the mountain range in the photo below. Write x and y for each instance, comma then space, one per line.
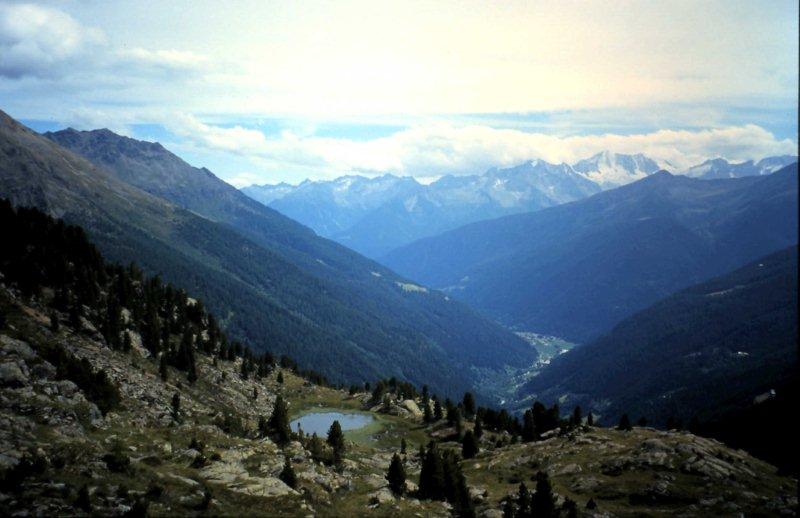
376, 215
698, 354
274, 284
577, 269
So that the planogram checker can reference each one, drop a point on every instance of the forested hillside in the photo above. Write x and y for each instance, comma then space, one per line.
347, 317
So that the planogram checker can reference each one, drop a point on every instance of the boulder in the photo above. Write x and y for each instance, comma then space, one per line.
411, 406
381, 497
12, 375
13, 347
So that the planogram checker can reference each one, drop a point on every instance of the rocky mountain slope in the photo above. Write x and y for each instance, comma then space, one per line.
576, 270
61, 456
276, 285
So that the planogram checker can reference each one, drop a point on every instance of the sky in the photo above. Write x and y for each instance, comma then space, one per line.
271, 91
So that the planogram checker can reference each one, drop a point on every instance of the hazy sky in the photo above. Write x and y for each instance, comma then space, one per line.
269, 91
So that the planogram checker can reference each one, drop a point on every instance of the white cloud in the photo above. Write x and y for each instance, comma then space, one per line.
48, 44
438, 149
42, 42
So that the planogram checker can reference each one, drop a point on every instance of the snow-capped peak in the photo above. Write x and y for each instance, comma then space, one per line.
609, 169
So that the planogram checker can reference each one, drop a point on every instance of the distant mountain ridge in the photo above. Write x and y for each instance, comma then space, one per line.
699, 353
376, 215
577, 269
274, 283
719, 168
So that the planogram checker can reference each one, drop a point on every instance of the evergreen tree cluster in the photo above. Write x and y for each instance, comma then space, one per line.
539, 420
40, 252
441, 478
539, 504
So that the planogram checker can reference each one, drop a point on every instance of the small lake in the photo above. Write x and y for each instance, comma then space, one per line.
320, 422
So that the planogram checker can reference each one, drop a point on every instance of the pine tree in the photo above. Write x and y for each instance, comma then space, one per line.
396, 475
83, 501
280, 377
590, 420
336, 441
176, 406
478, 430
528, 427
403, 445
287, 474
431, 476
469, 445
544, 503
508, 508
459, 423
523, 500
428, 414
127, 343
54, 324
577, 417
624, 423
278, 424
163, 371
469, 405
438, 413
315, 447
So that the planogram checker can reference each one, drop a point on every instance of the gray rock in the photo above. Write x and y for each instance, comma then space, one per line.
13, 347
12, 375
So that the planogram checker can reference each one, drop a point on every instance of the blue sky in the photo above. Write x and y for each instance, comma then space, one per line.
283, 91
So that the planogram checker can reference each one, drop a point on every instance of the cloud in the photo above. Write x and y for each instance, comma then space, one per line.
439, 149
48, 44
42, 42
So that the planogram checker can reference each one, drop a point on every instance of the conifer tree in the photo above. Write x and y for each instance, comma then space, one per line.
176, 406
396, 475
315, 447
508, 508
127, 343
438, 413
544, 503
469, 405
280, 377
163, 371
427, 413
287, 474
431, 476
624, 423
590, 420
403, 445
577, 416
459, 423
478, 430
528, 427
523, 501
54, 324
336, 441
278, 424
469, 445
